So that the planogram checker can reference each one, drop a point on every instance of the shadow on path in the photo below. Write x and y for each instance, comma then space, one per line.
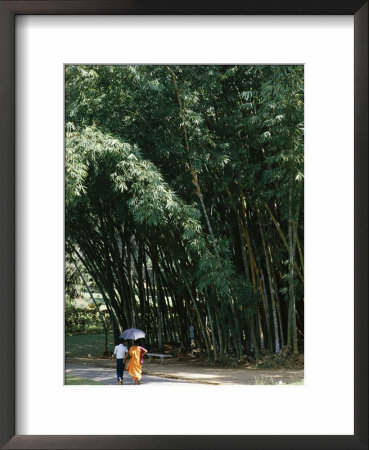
108, 376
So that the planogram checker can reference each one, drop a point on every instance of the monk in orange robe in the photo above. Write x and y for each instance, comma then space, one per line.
134, 365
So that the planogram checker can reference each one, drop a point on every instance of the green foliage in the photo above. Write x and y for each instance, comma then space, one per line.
247, 300
79, 320
135, 137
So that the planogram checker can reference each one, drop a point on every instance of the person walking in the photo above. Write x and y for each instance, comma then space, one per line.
134, 366
120, 352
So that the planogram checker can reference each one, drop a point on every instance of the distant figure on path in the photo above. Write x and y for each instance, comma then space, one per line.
120, 352
134, 365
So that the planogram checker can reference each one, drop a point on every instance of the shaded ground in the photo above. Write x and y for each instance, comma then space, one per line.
188, 372
80, 345
106, 375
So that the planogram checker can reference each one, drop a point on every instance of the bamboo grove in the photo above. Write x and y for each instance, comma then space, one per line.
184, 201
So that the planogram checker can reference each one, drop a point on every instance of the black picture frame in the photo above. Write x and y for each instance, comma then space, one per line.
8, 11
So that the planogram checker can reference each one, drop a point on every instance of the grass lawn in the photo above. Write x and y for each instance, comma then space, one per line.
70, 379
88, 344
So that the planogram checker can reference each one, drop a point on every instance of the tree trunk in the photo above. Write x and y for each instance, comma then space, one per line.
284, 241
292, 228
213, 337
271, 288
194, 303
220, 336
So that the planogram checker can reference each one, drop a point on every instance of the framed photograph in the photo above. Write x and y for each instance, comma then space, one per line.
219, 212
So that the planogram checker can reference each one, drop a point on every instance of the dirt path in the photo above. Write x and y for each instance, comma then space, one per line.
199, 374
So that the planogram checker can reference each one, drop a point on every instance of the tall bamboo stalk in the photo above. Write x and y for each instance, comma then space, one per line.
271, 288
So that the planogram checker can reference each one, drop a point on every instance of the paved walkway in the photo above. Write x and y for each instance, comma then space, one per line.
108, 376
103, 370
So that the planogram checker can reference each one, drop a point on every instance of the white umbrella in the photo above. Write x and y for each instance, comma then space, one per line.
132, 333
